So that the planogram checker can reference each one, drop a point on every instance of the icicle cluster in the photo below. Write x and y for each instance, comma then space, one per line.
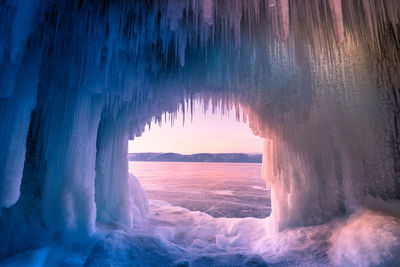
78, 78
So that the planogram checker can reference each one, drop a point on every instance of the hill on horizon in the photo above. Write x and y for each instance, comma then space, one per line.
199, 157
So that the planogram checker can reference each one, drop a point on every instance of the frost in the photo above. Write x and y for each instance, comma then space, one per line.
318, 81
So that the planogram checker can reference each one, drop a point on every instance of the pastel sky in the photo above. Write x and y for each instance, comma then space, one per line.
208, 133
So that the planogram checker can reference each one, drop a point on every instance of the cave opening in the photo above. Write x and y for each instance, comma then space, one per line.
209, 162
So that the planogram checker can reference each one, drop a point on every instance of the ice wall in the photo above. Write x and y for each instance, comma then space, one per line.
118, 195
319, 79
335, 144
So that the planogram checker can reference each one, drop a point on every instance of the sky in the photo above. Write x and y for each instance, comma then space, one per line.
208, 133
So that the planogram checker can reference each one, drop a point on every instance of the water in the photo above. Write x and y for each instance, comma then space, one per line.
234, 190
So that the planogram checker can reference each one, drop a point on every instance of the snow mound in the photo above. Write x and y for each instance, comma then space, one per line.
143, 249
370, 237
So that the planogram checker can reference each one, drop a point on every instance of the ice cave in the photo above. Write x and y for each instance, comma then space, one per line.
318, 79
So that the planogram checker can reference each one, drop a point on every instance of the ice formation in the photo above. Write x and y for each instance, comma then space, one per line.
319, 81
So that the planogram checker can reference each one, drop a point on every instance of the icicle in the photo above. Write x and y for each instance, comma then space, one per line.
367, 12
22, 27
284, 16
336, 9
208, 10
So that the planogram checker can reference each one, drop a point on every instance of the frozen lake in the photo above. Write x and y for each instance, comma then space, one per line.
234, 190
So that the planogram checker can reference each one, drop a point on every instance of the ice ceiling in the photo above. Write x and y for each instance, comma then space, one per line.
319, 79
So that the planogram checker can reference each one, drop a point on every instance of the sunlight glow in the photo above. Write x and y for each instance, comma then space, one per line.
207, 133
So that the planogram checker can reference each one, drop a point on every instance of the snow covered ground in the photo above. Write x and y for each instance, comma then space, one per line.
174, 236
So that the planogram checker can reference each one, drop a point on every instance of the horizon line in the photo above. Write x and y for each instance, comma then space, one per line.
196, 153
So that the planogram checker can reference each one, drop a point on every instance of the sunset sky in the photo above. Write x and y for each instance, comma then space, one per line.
208, 133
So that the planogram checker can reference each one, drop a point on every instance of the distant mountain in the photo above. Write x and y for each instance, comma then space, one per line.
201, 157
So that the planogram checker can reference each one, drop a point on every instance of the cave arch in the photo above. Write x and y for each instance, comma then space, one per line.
319, 81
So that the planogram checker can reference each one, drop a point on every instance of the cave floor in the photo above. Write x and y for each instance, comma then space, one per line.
175, 236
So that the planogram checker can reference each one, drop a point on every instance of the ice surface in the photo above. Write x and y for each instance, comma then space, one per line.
224, 192
218, 189
318, 80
